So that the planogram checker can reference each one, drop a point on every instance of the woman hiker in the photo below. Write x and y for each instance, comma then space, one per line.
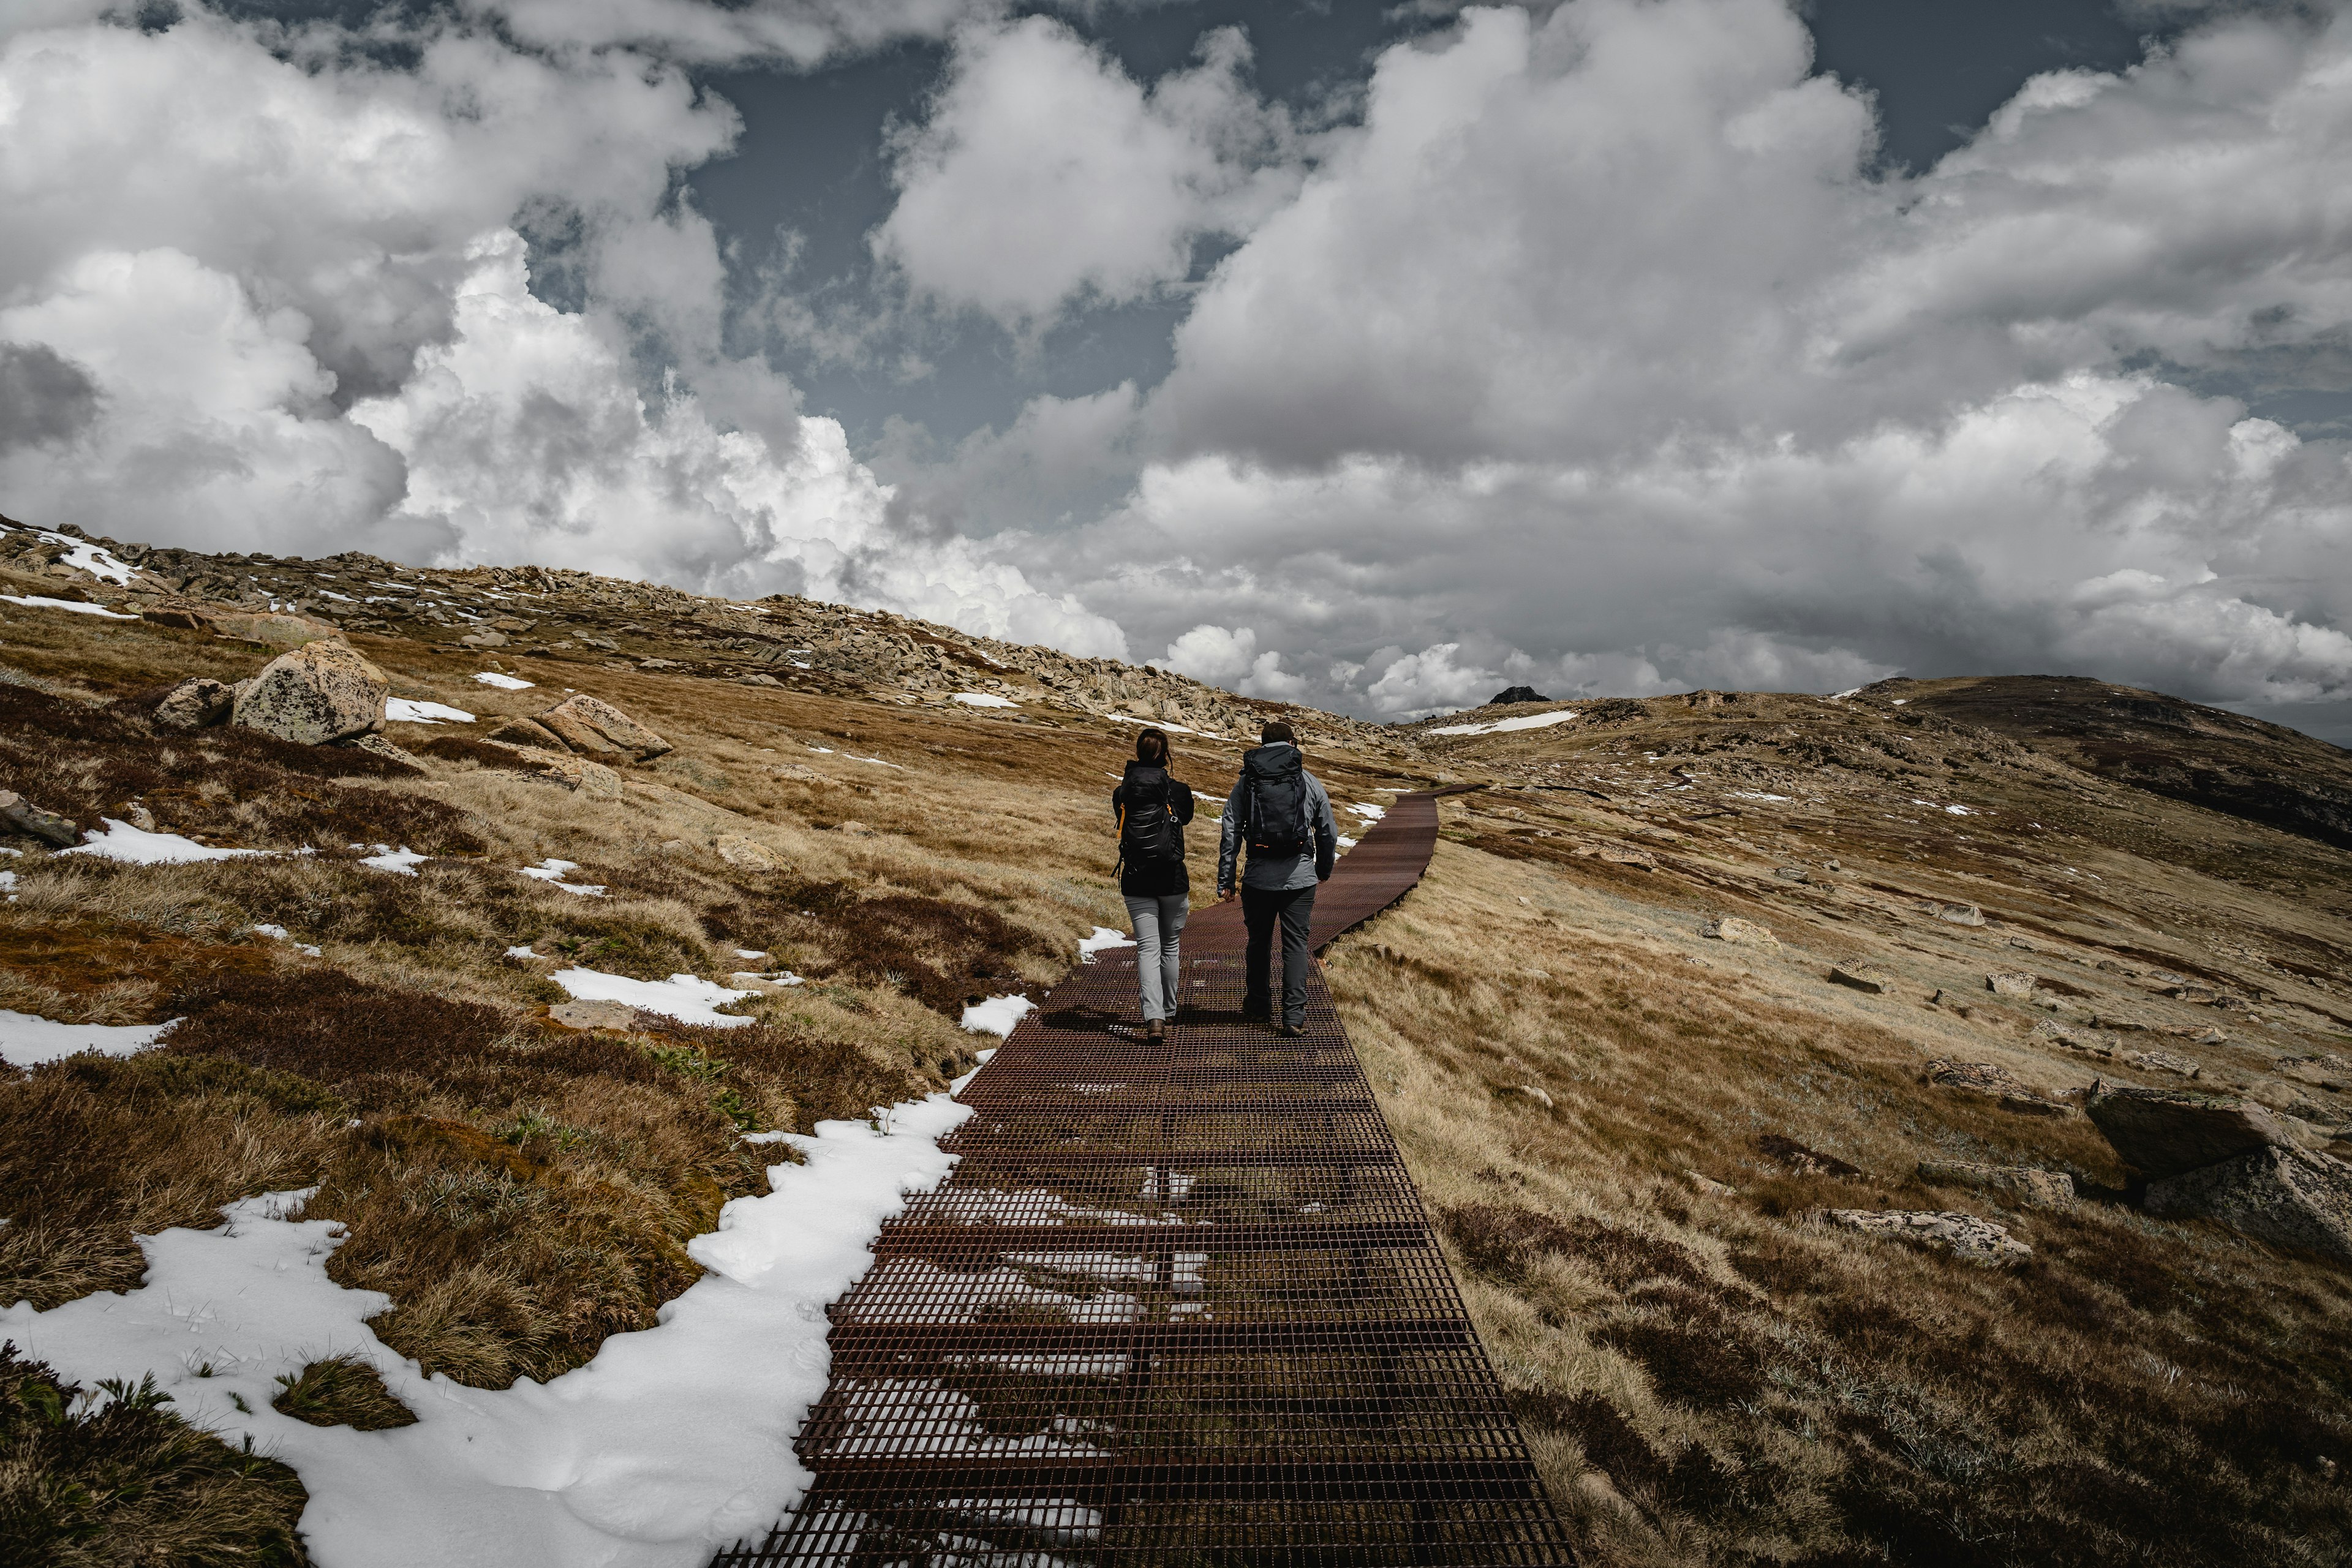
1152, 808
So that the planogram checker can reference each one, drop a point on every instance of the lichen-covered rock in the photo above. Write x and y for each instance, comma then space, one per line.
1860, 977
1963, 1234
2012, 982
525, 732
47, 826
2029, 1183
320, 692
376, 745
281, 628
2295, 1197
593, 780
1959, 914
748, 853
594, 727
2163, 1132
194, 704
1746, 933
1993, 1078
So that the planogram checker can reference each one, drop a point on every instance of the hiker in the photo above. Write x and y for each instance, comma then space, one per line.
1152, 808
1284, 814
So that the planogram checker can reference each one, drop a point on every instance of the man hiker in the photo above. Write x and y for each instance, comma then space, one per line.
1284, 814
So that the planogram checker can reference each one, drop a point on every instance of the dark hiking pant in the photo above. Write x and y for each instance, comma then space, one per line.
1261, 908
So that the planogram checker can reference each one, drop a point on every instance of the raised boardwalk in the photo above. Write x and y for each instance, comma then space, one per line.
1178, 1304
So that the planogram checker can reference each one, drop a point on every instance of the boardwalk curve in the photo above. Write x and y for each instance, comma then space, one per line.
1178, 1304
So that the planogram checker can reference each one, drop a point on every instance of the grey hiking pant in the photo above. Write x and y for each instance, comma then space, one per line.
1262, 909
1158, 924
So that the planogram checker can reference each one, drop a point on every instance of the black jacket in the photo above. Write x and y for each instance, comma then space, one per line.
1161, 878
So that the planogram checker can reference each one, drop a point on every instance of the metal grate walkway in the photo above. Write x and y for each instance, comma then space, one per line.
1177, 1304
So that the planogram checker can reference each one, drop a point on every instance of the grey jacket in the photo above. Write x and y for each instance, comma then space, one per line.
1283, 872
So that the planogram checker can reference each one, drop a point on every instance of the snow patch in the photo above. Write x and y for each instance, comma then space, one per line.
983, 700
997, 1015
404, 710
27, 1040
40, 602
1526, 722
684, 997
503, 683
551, 871
1104, 937
402, 861
674, 1442
1369, 813
137, 847
281, 934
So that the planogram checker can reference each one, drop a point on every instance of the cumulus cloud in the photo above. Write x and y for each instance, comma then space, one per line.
1043, 172
262, 294
1598, 354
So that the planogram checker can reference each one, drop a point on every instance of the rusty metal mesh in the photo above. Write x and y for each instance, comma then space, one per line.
1177, 1304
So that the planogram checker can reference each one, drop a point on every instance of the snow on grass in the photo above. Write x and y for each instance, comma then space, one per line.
1755, 795
551, 871
40, 601
1345, 842
852, 757
1104, 937
1526, 722
674, 1442
983, 700
1170, 725
94, 559
282, 934
997, 1015
684, 997
137, 847
402, 861
27, 1040
751, 952
1368, 812
787, 978
503, 683
406, 711
1959, 811
524, 951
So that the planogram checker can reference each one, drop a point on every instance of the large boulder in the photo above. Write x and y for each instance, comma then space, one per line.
2029, 1183
2165, 1133
320, 692
193, 704
594, 727
2293, 1197
1965, 1235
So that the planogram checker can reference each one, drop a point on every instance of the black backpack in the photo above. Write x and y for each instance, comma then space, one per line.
1278, 801
1149, 832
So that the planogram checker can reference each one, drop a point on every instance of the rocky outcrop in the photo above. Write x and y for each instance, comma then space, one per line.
47, 826
1517, 694
526, 732
320, 692
749, 854
592, 728
2010, 982
593, 780
2166, 1133
1964, 1235
2296, 1197
281, 628
194, 704
1992, 1078
2028, 1183
1746, 933
1860, 977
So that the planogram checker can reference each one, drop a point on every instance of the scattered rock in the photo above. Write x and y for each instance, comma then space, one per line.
1992, 1078
1963, 1234
594, 1014
1959, 914
1860, 978
524, 732
484, 638
1959, 1005
797, 770
2012, 982
2163, 1061
1532, 1092
2020, 942
1710, 1186
854, 827
1619, 854
2163, 1132
593, 780
757, 680
2329, 1072
2058, 1034
2031, 1184
1791, 873
659, 664
139, 817
747, 853
183, 618
2293, 1197
195, 703
2198, 994
508, 624
46, 825
281, 628
321, 691
589, 724
1732, 929
1797, 1157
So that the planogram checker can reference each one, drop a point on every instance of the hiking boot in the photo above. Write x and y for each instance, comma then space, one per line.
1155, 1030
1292, 1031
1258, 1012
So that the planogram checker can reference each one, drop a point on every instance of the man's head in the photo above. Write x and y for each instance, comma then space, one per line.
1276, 730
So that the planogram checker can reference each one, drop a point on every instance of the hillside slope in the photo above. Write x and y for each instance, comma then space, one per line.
1629, 1129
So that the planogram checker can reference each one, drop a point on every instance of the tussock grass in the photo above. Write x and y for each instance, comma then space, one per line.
1715, 1379
118, 1479
341, 1390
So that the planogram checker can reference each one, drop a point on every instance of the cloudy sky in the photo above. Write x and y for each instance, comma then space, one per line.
1358, 353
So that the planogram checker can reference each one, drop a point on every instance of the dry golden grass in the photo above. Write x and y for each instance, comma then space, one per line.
1710, 1378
